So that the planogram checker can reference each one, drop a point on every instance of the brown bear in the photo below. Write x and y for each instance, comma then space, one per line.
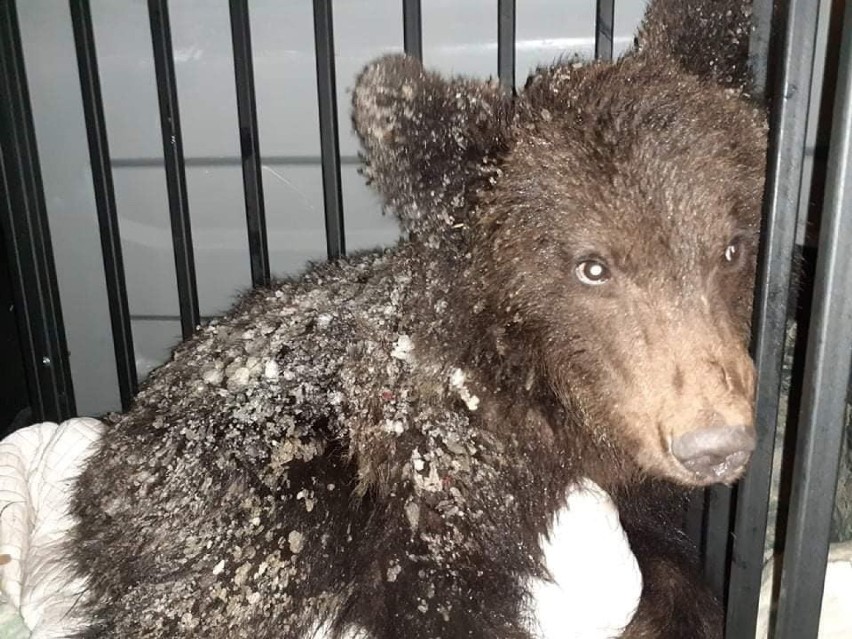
380, 445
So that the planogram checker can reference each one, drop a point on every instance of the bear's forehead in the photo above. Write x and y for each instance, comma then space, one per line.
639, 214
618, 188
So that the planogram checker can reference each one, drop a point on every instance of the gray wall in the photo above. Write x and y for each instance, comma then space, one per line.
459, 36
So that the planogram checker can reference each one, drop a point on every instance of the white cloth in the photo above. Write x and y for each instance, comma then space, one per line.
38, 465
596, 581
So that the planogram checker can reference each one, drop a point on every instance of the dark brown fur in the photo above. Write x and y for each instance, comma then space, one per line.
382, 443
707, 39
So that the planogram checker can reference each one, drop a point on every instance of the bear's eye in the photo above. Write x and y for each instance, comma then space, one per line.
733, 251
592, 272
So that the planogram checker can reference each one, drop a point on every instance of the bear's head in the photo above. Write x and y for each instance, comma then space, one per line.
610, 213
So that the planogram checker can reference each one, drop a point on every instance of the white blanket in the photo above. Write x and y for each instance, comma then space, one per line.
38, 465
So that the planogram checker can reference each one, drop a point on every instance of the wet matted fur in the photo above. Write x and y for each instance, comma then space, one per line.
381, 443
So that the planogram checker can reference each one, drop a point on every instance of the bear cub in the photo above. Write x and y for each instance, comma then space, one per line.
378, 447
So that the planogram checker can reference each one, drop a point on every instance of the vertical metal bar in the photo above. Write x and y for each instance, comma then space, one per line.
604, 25
412, 28
783, 185
249, 143
190, 318
329, 146
694, 518
25, 229
87, 64
758, 51
718, 502
506, 43
827, 370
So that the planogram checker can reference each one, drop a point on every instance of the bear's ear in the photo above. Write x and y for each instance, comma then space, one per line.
429, 144
708, 38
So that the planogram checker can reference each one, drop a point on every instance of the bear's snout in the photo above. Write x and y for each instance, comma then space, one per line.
709, 422
717, 453
687, 400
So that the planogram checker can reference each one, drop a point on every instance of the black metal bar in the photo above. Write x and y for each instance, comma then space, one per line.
329, 146
412, 28
783, 185
158, 12
25, 230
506, 43
87, 64
604, 28
718, 502
758, 54
694, 518
827, 370
249, 143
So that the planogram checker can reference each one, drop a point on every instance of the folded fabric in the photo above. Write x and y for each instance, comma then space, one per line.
38, 466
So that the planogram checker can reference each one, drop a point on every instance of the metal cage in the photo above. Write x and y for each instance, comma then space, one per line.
730, 524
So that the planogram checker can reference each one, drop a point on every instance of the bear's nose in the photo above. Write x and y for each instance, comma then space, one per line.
714, 452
